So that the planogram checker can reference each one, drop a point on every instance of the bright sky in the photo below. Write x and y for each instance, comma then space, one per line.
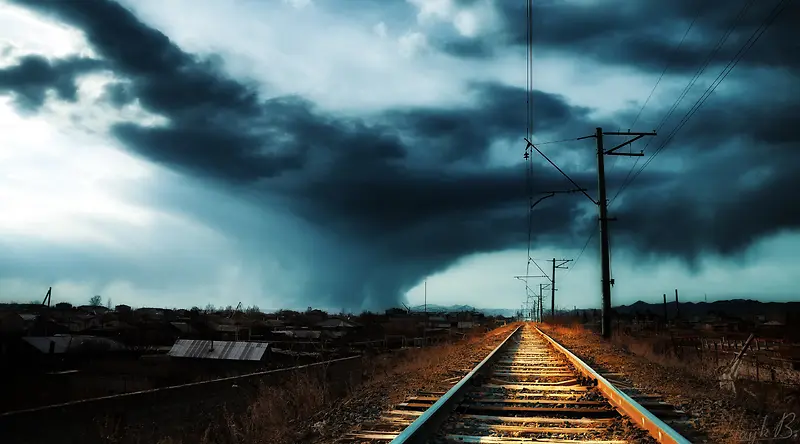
85, 216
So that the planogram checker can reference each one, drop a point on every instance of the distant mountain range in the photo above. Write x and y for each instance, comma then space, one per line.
456, 308
734, 307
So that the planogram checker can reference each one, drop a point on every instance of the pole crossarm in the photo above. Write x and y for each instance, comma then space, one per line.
562, 262
637, 137
523, 277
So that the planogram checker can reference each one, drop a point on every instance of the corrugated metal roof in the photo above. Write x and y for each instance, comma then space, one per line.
74, 343
233, 350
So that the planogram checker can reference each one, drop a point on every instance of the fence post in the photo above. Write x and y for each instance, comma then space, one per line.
757, 375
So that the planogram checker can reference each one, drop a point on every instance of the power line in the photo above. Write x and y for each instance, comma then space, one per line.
630, 177
529, 133
754, 37
666, 67
649, 96
557, 141
706, 62
578, 187
585, 244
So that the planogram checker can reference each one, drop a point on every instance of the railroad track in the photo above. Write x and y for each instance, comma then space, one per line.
529, 389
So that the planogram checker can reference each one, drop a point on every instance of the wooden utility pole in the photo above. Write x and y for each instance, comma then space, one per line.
602, 202
557, 264
666, 318
677, 306
541, 300
605, 261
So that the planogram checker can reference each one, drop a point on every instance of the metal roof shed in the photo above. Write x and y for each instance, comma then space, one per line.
228, 350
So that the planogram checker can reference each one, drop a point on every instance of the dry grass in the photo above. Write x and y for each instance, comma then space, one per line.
276, 411
690, 380
287, 413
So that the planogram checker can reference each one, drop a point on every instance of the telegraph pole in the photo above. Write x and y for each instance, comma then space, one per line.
602, 204
541, 300
605, 261
557, 264
526, 307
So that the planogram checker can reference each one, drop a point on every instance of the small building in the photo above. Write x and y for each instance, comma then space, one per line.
337, 324
83, 344
219, 350
122, 308
772, 329
11, 323
93, 309
149, 313
81, 321
184, 329
299, 333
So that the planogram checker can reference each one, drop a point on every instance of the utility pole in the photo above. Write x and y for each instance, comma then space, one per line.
541, 301
666, 319
602, 203
529, 292
605, 257
557, 264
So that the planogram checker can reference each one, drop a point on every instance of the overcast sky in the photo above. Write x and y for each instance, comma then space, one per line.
338, 153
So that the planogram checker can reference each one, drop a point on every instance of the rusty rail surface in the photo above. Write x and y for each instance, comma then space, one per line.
428, 423
528, 389
624, 403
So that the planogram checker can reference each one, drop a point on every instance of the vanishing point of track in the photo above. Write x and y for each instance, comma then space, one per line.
528, 389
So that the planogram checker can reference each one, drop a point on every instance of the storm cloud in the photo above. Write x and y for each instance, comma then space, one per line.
386, 198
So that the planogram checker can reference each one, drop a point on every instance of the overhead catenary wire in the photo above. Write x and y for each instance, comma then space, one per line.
650, 96
751, 41
631, 176
585, 244
699, 72
666, 68
557, 141
529, 132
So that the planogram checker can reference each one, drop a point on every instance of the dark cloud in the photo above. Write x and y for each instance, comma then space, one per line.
642, 34
467, 132
33, 76
393, 197
738, 164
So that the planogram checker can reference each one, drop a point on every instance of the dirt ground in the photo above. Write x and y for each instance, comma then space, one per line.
716, 413
394, 379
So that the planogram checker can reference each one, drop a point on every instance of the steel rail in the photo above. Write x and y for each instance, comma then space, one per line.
621, 401
427, 424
